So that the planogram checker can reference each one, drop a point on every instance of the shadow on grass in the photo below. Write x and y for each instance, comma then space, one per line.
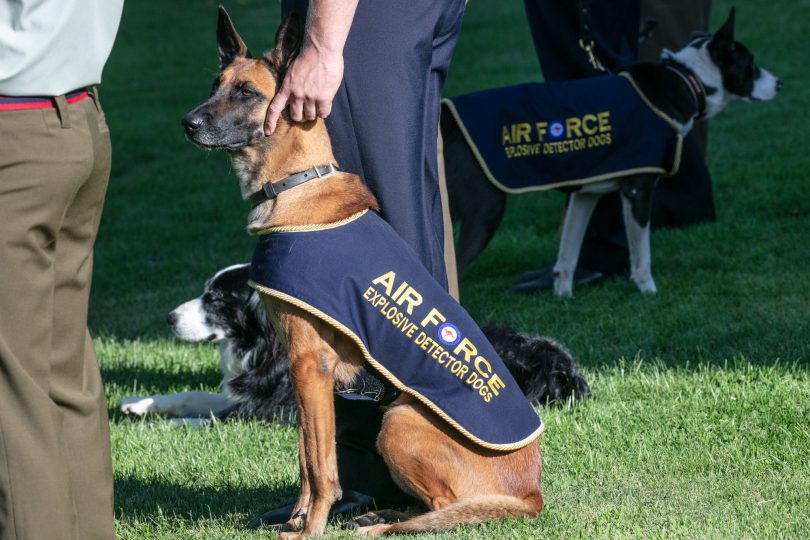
162, 380
137, 499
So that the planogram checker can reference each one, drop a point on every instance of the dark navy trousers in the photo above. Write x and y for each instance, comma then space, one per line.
385, 116
384, 127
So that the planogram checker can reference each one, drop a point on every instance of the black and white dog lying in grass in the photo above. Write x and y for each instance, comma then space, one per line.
696, 82
256, 382
255, 379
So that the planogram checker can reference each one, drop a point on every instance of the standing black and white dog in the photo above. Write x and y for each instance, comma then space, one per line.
256, 381
696, 82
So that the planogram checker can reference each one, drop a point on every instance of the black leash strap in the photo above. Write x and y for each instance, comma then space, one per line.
271, 189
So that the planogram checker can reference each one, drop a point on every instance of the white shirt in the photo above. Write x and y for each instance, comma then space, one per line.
50, 47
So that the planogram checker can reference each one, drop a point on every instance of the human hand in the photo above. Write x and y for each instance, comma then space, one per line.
308, 88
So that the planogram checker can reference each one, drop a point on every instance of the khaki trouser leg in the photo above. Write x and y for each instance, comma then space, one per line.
449, 244
55, 466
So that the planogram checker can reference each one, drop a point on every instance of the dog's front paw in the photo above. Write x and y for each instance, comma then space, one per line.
645, 284
563, 288
563, 281
137, 406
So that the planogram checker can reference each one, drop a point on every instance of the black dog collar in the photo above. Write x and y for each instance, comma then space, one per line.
271, 189
694, 85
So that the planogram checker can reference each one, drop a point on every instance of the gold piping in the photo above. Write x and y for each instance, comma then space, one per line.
390, 377
309, 228
579, 181
674, 125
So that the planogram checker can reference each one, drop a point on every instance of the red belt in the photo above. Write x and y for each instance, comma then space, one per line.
10, 103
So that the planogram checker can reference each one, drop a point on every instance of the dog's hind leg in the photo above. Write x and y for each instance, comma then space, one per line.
577, 215
469, 511
458, 481
636, 195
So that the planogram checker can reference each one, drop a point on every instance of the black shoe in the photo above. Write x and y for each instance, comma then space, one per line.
351, 503
544, 279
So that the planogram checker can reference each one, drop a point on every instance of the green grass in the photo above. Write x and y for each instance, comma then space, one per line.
698, 425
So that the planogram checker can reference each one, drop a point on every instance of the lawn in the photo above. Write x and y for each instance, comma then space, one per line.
699, 424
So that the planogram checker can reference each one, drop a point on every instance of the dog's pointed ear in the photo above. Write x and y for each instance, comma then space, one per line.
288, 40
723, 39
229, 43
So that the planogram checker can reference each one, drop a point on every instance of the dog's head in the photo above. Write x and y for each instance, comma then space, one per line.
221, 311
232, 118
726, 68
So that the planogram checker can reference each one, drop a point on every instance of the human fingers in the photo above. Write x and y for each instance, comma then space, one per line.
274, 110
324, 107
310, 109
295, 105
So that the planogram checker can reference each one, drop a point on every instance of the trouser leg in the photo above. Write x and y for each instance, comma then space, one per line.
384, 127
55, 469
449, 245
677, 20
385, 116
360, 467
76, 385
685, 198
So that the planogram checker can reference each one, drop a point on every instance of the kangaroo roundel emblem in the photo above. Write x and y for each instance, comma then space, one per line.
449, 334
556, 129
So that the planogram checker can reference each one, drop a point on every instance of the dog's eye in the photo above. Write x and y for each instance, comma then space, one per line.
246, 92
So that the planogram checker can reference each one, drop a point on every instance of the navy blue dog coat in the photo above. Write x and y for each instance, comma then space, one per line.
534, 137
360, 277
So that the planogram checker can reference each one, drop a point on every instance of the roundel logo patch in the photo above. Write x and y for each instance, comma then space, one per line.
556, 129
449, 334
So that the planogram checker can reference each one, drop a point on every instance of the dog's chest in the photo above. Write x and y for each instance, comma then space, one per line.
231, 364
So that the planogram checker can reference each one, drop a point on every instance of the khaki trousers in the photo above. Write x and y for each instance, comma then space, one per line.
55, 465
449, 241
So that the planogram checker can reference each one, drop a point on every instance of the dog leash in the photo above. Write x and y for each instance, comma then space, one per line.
271, 189
586, 42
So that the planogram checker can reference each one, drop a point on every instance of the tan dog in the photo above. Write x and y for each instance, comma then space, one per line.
457, 480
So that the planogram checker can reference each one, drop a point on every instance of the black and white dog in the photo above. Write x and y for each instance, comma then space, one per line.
256, 382
253, 363
696, 82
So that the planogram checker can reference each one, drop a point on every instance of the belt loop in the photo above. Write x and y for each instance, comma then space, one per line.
94, 93
62, 110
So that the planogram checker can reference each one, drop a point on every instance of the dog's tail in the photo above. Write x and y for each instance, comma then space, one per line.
470, 512
544, 369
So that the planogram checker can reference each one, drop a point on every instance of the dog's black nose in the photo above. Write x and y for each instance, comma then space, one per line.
171, 318
192, 122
